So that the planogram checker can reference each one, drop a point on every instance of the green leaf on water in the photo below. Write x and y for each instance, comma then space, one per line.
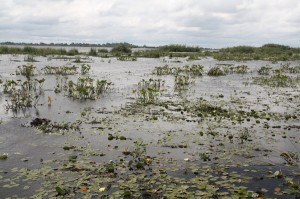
60, 191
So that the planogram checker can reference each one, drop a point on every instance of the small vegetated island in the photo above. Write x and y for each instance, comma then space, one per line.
125, 121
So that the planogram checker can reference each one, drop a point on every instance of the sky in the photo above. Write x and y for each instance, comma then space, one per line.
204, 23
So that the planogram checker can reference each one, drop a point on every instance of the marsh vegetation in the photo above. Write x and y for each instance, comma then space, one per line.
123, 125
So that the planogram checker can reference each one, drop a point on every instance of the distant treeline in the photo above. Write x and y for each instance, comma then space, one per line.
271, 52
74, 44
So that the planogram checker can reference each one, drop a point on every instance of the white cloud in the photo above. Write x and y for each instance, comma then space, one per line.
214, 23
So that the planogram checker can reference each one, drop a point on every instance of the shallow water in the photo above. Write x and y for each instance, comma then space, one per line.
173, 141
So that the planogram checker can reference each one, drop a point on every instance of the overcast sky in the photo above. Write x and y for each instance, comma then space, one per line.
206, 23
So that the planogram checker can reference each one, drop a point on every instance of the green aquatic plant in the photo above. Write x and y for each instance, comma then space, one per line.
9, 86
139, 159
194, 70
22, 93
3, 156
85, 88
162, 70
290, 157
181, 82
148, 90
26, 70
20, 100
34, 85
60, 70
61, 191
127, 58
244, 135
29, 58
278, 80
85, 69
205, 156
286, 67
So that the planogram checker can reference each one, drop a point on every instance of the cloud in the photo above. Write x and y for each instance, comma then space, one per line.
194, 22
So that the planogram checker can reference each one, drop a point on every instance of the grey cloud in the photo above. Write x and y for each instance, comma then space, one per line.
211, 23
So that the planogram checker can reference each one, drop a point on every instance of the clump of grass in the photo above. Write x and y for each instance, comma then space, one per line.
241, 69
93, 52
194, 70
216, 71
77, 60
102, 51
264, 70
73, 52
231, 69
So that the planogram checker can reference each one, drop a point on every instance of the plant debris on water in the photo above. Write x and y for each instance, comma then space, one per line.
176, 124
